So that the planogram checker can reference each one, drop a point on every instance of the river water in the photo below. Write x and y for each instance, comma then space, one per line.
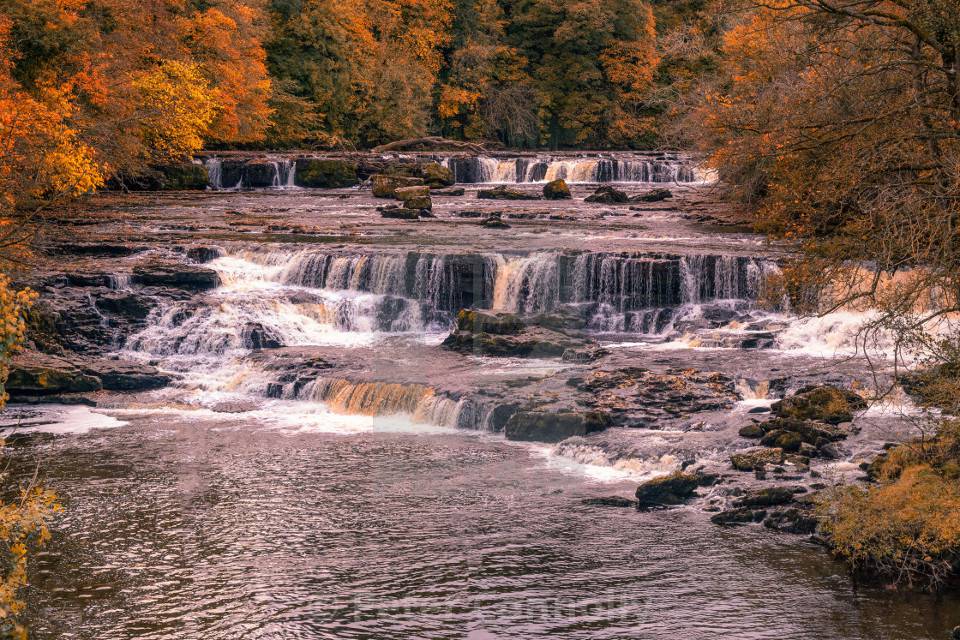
353, 483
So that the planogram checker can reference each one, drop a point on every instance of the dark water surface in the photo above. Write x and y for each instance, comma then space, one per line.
181, 529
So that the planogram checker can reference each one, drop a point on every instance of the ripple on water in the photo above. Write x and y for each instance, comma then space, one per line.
175, 530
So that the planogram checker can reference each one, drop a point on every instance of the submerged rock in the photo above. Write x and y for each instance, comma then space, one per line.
825, 403
733, 517
458, 191
557, 190
505, 193
494, 222
607, 195
798, 521
543, 426
609, 501
673, 489
325, 173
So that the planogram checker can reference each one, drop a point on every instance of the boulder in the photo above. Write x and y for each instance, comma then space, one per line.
825, 403
751, 431
417, 197
544, 426
673, 489
488, 322
798, 521
504, 192
178, 276
400, 213
786, 440
733, 517
531, 342
557, 190
385, 185
325, 174
654, 195
770, 497
36, 374
436, 175
756, 458
607, 195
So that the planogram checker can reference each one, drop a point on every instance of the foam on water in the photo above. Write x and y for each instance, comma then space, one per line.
64, 419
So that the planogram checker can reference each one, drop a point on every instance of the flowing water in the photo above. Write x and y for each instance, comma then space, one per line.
322, 468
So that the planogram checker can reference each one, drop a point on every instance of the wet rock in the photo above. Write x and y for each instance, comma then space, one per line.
654, 195
825, 403
89, 279
609, 501
584, 356
531, 342
436, 175
734, 517
457, 191
542, 426
258, 174
673, 489
256, 336
325, 174
607, 195
180, 276
751, 431
183, 176
756, 458
33, 374
786, 440
797, 521
385, 185
770, 497
204, 253
125, 303
399, 213
487, 322
557, 190
120, 375
504, 192
98, 249
414, 197
494, 222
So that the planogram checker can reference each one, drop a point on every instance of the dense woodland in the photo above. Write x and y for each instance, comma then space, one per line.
835, 122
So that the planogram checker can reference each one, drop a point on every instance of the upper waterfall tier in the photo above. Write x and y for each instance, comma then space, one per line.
613, 168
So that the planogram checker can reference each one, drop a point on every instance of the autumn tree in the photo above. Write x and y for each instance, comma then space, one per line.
592, 62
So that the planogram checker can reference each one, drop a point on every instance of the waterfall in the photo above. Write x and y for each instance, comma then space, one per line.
483, 169
284, 172
214, 172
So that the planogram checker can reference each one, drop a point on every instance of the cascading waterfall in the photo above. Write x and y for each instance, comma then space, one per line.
284, 172
482, 169
214, 172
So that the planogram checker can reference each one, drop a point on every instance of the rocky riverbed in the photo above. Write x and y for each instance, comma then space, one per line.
618, 339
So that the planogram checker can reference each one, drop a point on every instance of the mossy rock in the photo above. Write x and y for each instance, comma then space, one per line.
673, 489
325, 174
757, 458
485, 322
557, 190
437, 175
824, 403
769, 497
751, 431
186, 176
545, 426
384, 186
